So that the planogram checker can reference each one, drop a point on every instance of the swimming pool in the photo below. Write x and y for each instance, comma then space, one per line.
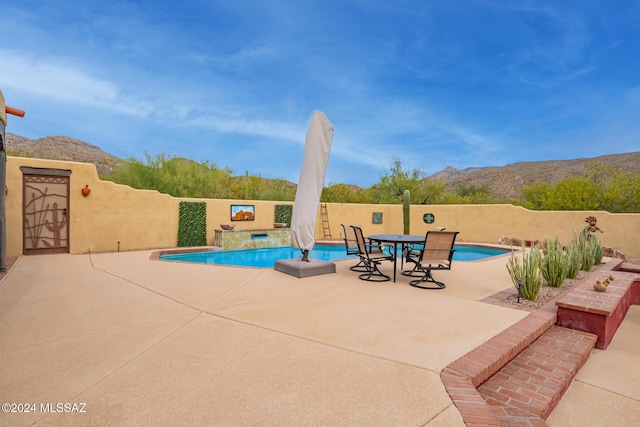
267, 257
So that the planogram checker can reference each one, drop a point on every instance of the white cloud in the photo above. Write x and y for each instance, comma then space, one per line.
54, 80
240, 125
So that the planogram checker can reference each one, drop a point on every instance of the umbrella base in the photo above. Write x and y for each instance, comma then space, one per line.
297, 267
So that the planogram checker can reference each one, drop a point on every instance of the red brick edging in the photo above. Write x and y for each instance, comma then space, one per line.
518, 376
463, 377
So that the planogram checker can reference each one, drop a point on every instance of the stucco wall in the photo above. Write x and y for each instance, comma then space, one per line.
141, 219
488, 223
111, 212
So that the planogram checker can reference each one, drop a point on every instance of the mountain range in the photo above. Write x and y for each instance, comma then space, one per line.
61, 148
505, 182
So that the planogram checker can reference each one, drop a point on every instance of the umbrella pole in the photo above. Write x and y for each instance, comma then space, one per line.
305, 255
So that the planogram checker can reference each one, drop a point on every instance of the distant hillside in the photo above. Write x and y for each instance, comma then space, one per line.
507, 181
62, 148
450, 173
66, 148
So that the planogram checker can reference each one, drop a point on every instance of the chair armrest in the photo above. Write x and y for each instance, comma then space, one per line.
374, 246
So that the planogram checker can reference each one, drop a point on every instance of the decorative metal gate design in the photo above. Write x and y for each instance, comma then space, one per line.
45, 214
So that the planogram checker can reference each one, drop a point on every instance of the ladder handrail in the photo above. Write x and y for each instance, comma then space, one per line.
326, 229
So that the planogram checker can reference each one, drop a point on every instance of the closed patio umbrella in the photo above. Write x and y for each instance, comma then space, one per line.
314, 166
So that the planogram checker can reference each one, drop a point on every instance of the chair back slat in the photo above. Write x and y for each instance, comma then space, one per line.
438, 246
362, 246
350, 243
436, 255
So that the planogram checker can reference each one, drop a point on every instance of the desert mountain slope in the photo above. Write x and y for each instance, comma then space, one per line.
505, 182
62, 148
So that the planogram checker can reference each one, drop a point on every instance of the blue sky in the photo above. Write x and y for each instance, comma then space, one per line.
433, 83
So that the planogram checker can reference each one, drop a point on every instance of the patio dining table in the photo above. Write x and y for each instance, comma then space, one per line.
403, 239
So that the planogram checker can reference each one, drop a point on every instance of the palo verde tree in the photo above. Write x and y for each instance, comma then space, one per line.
391, 187
617, 190
343, 193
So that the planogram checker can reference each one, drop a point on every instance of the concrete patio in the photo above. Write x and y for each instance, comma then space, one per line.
133, 341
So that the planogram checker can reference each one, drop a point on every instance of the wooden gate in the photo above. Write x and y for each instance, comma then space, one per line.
45, 211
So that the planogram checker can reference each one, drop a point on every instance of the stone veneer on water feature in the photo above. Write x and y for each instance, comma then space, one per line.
251, 239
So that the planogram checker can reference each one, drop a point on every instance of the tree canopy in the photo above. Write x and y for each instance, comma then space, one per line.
603, 188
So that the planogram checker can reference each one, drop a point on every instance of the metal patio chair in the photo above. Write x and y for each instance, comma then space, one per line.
370, 261
436, 254
351, 246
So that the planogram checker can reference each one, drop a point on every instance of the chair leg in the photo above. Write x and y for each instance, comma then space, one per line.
415, 272
373, 274
427, 278
360, 266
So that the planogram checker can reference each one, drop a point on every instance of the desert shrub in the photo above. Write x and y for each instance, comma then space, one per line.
525, 274
553, 266
588, 248
580, 243
574, 261
596, 252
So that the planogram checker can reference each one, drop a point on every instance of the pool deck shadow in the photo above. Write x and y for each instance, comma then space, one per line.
143, 342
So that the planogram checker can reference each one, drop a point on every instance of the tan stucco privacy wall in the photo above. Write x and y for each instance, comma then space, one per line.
142, 219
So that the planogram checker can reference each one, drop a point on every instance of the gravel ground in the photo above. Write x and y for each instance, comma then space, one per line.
548, 293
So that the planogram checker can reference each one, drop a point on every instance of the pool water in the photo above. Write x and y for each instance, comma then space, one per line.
267, 257
474, 253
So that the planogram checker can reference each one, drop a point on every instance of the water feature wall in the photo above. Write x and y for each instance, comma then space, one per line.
251, 239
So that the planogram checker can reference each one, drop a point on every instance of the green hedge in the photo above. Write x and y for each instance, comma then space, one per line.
192, 224
283, 213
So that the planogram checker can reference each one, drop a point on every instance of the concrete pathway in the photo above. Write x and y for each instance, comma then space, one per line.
124, 340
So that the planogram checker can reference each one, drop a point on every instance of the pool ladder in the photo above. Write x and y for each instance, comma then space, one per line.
326, 230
